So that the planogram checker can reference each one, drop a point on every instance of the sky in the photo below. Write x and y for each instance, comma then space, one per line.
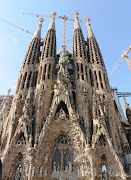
110, 22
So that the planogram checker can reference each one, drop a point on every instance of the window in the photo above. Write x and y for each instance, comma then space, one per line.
91, 78
96, 79
28, 81
24, 79
100, 79
63, 160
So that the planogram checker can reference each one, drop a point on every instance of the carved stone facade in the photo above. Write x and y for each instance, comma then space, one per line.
63, 124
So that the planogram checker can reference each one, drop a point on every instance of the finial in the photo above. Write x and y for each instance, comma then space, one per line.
38, 30
77, 24
53, 14
89, 30
76, 14
87, 19
9, 90
41, 20
52, 23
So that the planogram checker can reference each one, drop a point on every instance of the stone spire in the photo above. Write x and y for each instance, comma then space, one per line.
49, 46
37, 33
46, 74
29, 71
79, 47
89, 30
94, 52
77, 24
52, 23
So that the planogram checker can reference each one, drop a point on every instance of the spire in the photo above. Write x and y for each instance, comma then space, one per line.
38, 30
77, 24
79, 47
89, 30
126, 105
93, 52
52, 23
49, 46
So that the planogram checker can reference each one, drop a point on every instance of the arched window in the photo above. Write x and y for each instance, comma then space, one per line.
63, 158
67, 160
57, 160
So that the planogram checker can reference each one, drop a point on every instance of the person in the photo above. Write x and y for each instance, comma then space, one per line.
0, 169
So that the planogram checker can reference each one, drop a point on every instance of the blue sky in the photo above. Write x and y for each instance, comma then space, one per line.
110, 21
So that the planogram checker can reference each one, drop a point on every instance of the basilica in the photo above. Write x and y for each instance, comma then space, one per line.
63, 123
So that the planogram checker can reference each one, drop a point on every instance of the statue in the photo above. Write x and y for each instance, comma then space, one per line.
70, 167
45, 172
33, 171
54, 167
46, 158
41, 171
66, 168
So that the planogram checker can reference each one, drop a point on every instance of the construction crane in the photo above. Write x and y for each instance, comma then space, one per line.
125, 55
121, 94
65, 18
7, 22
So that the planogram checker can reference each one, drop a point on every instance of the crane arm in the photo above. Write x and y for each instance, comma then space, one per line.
37, 15
116, 67
7, 22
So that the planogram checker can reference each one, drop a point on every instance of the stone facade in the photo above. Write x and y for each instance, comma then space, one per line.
63, 124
